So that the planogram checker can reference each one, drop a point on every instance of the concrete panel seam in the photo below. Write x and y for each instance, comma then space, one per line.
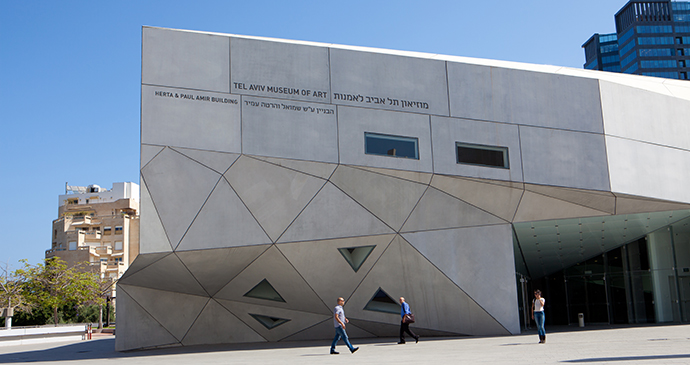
360, 204
522, 164
302, 211
199, 162
372, 266
245, 268
431, 139
649, 143
230, 73
335, 238
197, 213
395, 177
330, 85
518, 204
447, 228
285, 167
188, 88
241, 126
415, 207
456, 285
129, 273
447, 93
192, 274
304, 329
152, 158
483, 210
522, 255
563, 200
149, 314
302, 277
153, 202
246, 207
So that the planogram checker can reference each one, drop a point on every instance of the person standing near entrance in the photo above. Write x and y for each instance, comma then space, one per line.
339, 321
405, 326
538, 314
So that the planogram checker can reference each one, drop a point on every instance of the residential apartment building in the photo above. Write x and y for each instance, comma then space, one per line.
652, 38
98, 226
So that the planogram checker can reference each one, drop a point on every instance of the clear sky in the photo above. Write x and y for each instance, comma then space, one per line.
70, 74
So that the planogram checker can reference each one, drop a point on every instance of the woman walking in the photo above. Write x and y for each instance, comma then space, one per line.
405, 325
538, 314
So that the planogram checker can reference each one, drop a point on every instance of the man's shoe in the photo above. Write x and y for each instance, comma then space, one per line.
401, 343
416, 339
354, 350
333, 352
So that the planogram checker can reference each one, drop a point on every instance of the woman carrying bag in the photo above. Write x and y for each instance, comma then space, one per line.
407, 318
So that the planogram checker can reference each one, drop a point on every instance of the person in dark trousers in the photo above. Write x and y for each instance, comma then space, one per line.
405, 327
538, 314
339, 321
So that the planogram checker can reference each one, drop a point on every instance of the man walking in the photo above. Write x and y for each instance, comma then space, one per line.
405, 326
339, 321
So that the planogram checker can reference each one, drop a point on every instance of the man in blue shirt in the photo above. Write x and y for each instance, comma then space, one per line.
405, 327
339, 321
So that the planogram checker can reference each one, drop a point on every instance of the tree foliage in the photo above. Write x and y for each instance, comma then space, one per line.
55, 285
11, 290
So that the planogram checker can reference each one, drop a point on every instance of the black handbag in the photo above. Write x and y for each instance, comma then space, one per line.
408, 318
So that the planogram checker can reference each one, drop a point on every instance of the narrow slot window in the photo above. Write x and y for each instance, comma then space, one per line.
393, 146
474, 154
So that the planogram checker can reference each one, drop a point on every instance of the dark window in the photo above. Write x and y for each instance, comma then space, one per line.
355, 256
269, 322
264, 290
382, 302
394, 146
475, 154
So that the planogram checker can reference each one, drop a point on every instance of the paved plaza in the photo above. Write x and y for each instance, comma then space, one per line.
652, 344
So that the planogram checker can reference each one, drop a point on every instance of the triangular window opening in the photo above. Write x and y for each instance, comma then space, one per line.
355, 256
269, 322
264, 290
382, 302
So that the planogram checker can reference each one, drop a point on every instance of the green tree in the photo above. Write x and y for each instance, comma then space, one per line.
11, 293
56, 285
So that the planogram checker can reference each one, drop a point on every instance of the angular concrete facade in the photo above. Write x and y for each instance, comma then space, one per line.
260, 206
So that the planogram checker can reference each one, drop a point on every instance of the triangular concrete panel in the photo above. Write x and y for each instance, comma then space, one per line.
223, 213
472, 256
152, 236
332, 214
148, 152
168, 274
389, 198
500, 199
326, 331
318, 169
177, 181
418, 177
599, 200
142, 330
630, 204
535, 207
321, 264
175, 311
438, 210
142, 261
275, 268
213, 269
275, 195
434, 299
216, 161
298, 320
217, 325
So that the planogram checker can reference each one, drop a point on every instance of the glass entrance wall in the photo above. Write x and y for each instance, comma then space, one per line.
644, 281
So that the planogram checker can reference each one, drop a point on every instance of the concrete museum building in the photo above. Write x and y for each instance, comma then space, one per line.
279, 175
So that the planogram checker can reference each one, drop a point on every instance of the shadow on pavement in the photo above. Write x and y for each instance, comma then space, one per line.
105, 349
631, 358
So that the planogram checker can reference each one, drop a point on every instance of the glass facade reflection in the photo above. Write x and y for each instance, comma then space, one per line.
647, 36
646, 280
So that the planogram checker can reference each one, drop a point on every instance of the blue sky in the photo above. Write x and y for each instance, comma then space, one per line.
70, 74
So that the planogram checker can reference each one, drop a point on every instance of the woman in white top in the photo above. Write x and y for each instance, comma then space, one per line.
538, 314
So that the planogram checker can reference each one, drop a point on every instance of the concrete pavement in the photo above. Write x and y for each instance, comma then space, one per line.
652, 344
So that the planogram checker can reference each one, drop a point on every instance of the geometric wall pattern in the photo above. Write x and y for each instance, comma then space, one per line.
259, 206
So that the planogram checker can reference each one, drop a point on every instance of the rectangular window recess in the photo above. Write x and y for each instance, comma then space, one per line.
475, 154
393, 146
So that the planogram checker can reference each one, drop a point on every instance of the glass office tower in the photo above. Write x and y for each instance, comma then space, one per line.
652, 38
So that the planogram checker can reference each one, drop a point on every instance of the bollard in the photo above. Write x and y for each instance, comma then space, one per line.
581, 319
